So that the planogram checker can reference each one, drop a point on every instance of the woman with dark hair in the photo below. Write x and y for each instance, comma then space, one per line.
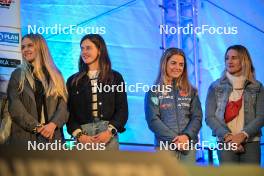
234, 108
175, 115
96, 115
37, 95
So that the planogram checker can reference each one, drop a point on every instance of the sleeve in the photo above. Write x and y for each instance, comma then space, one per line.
5, 122
61, 114
215, 124
195, 124
255, 125
17, 110
72, 124
152, 114
121, 107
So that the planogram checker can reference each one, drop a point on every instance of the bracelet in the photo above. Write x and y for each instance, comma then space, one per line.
79, 135
85, 133
36, 128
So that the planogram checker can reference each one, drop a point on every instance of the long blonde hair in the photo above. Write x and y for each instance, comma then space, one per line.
163, 79
44, 69
248, 69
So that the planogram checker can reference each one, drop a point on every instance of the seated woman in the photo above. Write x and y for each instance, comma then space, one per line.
175, 114
96, 115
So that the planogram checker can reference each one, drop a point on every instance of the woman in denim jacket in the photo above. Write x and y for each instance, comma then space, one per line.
234, 108
174, 114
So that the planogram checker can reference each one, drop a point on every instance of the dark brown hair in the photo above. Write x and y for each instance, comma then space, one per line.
106, 74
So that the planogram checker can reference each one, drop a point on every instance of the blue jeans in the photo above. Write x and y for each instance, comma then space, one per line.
97, 127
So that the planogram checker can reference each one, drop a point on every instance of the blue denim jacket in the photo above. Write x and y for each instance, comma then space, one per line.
217, 98
171, 115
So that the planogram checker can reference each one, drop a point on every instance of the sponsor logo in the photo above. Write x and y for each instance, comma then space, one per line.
9, 37
5, 3
5, 62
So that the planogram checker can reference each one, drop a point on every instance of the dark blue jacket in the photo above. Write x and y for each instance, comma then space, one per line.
171, 115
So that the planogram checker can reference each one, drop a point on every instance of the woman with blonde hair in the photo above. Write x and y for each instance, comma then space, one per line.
37, 95
175, 114
234, 108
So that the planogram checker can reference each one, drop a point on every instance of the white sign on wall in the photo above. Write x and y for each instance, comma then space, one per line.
10, 37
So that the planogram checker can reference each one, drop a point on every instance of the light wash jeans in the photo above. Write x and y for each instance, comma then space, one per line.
98, 127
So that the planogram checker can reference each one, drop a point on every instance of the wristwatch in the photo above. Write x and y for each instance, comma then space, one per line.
112, 130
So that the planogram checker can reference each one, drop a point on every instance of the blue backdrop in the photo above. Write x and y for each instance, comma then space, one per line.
133, 39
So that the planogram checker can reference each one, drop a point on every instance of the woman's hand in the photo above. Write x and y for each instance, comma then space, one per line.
181, 141
228, 137
84, 139
47, 130
103, 137
239, 138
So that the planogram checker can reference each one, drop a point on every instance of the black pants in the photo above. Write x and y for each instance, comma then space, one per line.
250, 156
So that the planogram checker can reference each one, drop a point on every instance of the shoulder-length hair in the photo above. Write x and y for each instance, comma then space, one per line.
163, 79
248, 69
105, 74
44, 69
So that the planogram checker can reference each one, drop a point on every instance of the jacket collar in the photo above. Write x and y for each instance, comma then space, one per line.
224, 80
